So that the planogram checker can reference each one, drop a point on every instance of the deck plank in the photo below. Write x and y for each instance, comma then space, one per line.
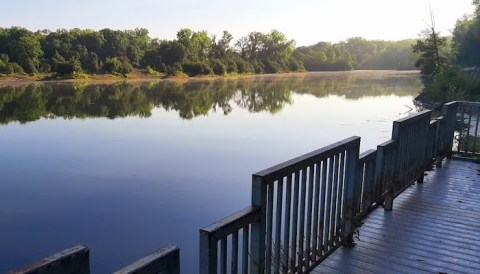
434, 228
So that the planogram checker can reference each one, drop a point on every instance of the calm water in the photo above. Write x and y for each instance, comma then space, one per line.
126, 169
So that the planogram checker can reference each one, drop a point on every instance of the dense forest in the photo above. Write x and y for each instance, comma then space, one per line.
450, 68
77, 52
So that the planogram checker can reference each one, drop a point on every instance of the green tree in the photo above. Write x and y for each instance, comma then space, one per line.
430, 61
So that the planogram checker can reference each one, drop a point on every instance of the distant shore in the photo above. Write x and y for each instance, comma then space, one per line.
138, 76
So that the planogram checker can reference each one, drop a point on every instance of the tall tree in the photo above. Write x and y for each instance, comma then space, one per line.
430, 61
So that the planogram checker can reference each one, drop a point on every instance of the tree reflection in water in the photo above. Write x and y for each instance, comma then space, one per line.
191, 98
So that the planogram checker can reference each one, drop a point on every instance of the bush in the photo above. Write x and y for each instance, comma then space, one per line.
218, 67
68, 67
295, 65
115, 65
45, 67
196, 68
232, 67
257, 67
174, 69
271, 66
151, 71
5, 68
17, 68
243, 66
112, 65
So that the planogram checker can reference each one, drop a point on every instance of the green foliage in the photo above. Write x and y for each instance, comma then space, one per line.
466, 38
17, 68
5, 67
116, 65
443, 64
151, 71
218, 67
357, 53
196, 69
66, 68
430, 60
65, 52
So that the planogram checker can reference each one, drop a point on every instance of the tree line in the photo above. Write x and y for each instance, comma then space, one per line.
450, 66
71, 53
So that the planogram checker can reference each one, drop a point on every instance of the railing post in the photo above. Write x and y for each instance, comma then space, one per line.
450, 113
350, 187
259, 199
208, 253
380, 172
440, 141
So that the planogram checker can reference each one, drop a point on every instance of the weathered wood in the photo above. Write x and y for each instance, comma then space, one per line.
293, 246
166, 260
308, 236
234, 264
257, 244
385, 173
245, 249
74, 260
434, 229
348, 204
208, 253
366, 175
278, 228
289, 167
411, 133
286, 237
234, 222
219, 231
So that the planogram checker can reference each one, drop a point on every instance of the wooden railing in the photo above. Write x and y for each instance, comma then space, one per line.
303, 209
76, 260
365, 194
306, 207
72, 260
166, 260
317, 212
467, 120
234, 229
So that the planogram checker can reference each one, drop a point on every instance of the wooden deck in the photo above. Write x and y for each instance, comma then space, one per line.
434, 228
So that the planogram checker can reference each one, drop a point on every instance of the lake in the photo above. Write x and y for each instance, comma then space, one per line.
128, 168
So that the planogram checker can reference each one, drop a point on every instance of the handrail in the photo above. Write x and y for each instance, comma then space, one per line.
281, 170
467, 119
165, 260
411, 133
306, 207
234, 229
71, 260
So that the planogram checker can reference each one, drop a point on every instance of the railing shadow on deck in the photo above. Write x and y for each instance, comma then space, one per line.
305, 208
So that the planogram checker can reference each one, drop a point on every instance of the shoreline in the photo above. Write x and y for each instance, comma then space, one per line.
136, 78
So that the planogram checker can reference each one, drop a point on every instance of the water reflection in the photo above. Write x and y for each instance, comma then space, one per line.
125, 187
190, 98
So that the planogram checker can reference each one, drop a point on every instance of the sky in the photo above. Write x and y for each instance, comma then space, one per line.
305, 21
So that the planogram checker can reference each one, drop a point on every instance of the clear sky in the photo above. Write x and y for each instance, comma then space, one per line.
305, 21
